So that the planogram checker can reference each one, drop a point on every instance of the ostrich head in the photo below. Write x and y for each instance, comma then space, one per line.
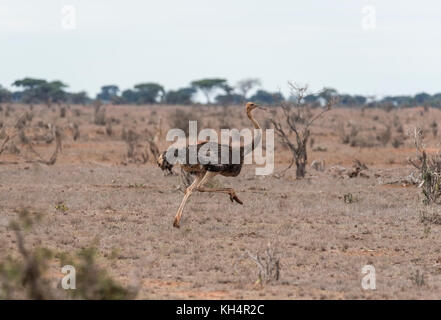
163, 163
251, 106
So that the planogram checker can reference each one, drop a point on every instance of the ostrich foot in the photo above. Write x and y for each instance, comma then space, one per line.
233, 197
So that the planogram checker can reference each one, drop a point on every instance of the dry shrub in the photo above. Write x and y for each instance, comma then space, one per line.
131, 140
318, 165
434, 127
418, 278
226, 118
8, 111
76, 131
25, 277
63, 112
153, 140
49, 137
100, 115
267, 124
320, 149
430, 214
387, 107
431, 174
385, 136
29, 116
348, 137
398, 141
356, 137
430, 168
180, 119
348, 198
268, 264
23, 138
357, 169
13, 149
21, 122
114, 120
109, 130
124, 134
94, 282
362, 141
397, 125
55, 134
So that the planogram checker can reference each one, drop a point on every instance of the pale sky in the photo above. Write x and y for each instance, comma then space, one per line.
322, 43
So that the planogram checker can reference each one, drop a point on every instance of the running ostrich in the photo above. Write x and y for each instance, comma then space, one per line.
204, 172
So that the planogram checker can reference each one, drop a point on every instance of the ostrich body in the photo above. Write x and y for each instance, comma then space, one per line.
204, 172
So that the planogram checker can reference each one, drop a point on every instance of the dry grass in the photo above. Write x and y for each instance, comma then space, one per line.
323, 237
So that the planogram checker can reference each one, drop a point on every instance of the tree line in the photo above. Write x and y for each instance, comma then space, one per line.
215, 90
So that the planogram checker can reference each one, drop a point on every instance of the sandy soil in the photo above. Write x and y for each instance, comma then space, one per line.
322, 241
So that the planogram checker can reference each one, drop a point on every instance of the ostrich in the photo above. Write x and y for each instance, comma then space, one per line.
204, 172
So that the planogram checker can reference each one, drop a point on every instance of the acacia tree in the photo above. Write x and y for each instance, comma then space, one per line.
245, 85
207, 86
108, 92
39, 90
180, 96
297, 118
5, 95
149, 92
144, 93
78, 97
30, 87
52, 92
265, 97
230, 97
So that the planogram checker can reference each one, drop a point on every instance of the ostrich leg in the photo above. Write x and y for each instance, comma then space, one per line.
188, 192
230, 191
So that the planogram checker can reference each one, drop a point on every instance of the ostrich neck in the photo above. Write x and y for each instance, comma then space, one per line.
255, 123
256, 139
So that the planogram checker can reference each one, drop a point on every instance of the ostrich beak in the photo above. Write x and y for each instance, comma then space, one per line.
262, 108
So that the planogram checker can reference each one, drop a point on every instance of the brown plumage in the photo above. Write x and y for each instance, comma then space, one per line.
205, 171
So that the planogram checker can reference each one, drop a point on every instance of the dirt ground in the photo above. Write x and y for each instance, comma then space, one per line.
324, 228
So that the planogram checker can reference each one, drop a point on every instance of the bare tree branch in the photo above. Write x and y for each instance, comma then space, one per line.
298, 118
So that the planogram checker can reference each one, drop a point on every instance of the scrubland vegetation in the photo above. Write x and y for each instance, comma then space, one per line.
79, 185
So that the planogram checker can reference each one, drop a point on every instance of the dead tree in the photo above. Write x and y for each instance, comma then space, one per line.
297, 120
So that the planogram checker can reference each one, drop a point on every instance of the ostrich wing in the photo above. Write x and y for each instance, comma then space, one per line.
214, 154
